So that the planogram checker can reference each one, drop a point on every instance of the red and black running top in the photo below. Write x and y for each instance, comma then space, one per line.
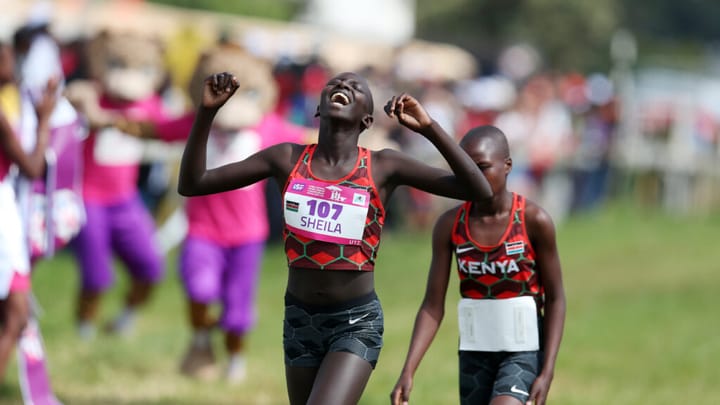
303, 252
504, 270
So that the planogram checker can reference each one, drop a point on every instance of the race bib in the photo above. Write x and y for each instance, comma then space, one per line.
326, 212
115, 148
498, 325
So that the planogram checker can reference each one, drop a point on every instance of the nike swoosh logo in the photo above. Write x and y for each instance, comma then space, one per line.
517, 390
463, 250
353, 321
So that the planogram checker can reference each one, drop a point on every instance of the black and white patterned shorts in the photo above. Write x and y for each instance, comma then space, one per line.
485, 375
310, 333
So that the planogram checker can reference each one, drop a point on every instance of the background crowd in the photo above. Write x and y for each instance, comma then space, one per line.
562, 125
579, 135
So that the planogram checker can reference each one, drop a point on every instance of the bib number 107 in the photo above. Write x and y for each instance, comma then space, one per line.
323, 208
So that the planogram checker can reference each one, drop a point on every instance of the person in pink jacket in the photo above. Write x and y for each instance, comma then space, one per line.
14, 160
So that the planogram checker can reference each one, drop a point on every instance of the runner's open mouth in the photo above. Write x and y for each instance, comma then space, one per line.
339, 98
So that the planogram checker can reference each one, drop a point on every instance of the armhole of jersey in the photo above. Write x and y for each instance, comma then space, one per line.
295, 168
518, 203
463, 208
522, 206
368, 154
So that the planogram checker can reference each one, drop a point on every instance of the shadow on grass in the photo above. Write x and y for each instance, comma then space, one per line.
10, 394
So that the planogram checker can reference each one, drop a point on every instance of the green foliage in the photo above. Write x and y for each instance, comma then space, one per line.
640, 324
674, 34
570, 34
277, 9
573, 34
673, 20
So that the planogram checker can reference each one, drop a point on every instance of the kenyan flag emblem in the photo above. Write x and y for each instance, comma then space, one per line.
514, 248
292, 206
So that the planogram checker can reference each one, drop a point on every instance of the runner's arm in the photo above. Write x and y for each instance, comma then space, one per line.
543, 238
195, 178
432, 309
466, 182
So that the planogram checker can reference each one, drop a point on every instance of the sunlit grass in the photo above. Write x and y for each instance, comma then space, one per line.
641, 326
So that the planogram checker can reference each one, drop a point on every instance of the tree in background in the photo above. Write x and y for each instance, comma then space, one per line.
569, 34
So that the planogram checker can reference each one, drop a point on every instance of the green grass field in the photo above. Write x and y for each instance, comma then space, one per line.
641, 324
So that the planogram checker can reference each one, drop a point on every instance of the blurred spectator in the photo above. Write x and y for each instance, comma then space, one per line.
595, 133
73, 59
128, 70
299, 84
38, 60
483, 99
539, 129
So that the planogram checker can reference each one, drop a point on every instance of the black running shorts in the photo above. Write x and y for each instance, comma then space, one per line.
310, 333
485, 375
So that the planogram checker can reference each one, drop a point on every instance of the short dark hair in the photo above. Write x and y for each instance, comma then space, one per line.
488, 132
23, 36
